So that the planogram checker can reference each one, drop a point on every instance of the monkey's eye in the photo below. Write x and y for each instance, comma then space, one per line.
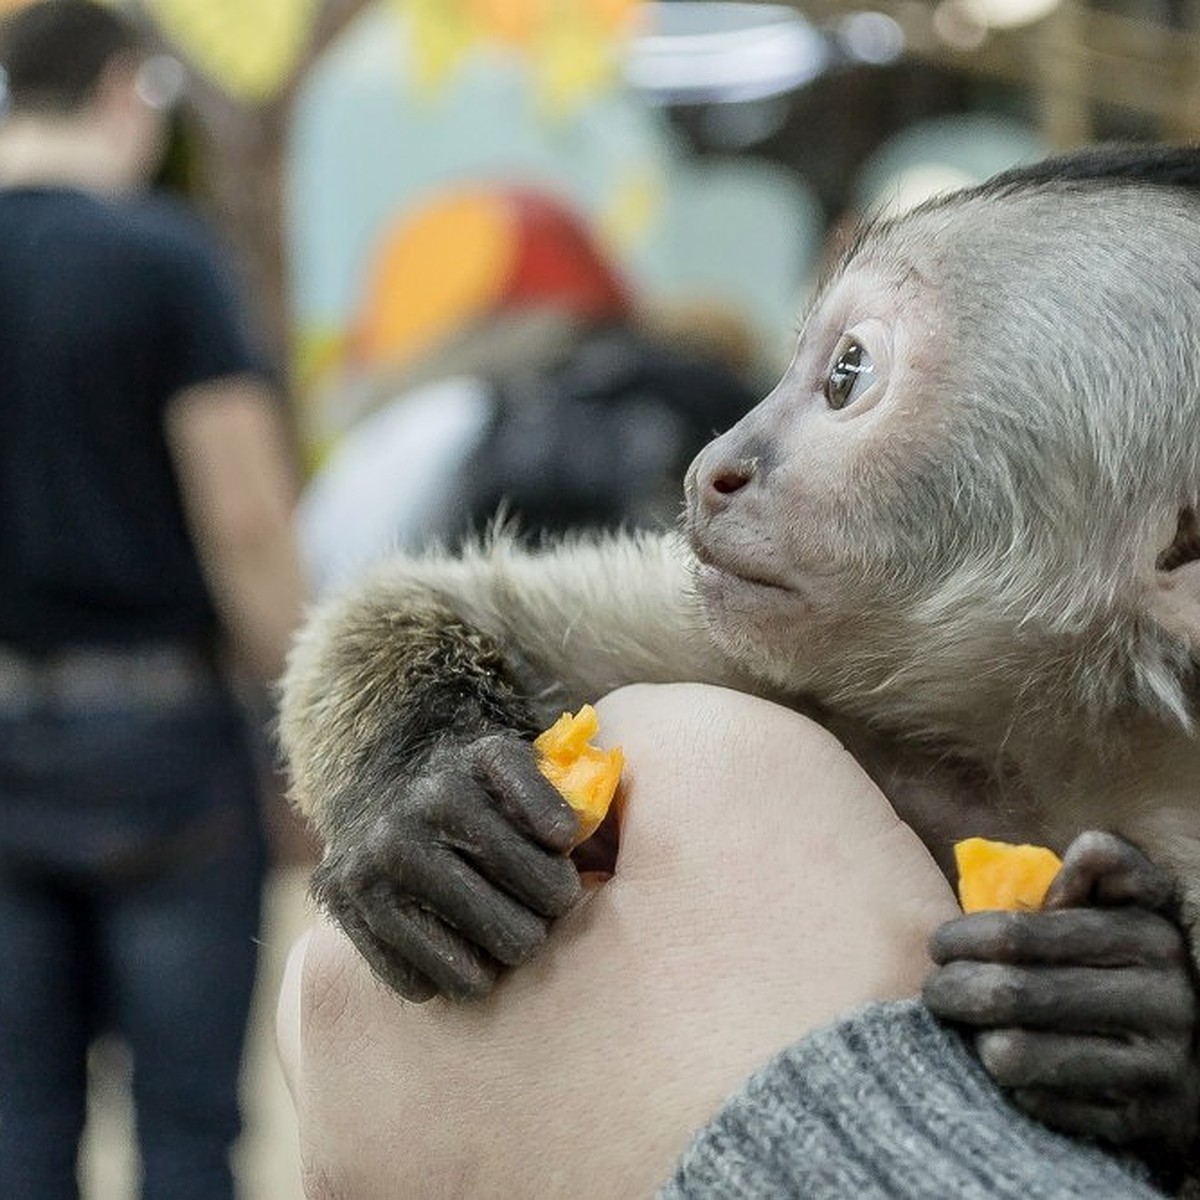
851, 374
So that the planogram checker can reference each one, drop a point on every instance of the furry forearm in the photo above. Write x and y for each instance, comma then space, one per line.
582, 616
371, 681
500, 636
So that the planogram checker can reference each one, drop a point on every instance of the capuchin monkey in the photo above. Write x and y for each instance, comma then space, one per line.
962, 529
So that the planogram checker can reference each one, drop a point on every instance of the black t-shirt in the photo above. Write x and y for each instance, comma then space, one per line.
107, 310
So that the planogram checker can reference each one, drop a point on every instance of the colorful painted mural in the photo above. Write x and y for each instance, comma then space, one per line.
252, 49
573, 46
366, 152
249, 48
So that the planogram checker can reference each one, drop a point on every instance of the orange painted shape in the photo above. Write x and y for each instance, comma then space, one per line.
513, 21
445, 265
586, 776
612, 15
1002, 875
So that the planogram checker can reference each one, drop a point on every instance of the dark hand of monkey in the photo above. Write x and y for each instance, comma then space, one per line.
1086, 1013
459, 871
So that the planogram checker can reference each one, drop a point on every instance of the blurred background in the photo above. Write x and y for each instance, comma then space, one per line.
425, 196
711, 146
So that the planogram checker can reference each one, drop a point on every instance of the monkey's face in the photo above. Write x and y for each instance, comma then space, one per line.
809, 516
957, 497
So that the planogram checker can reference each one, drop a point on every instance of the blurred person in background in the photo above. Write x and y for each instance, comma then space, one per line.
501, 363
146, 488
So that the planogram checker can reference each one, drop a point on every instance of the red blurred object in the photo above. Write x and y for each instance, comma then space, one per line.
474, 251
558, 262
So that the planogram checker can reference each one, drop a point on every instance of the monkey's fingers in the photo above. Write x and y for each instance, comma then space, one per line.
1121, 1090
1156, 1121
1101, 868
446, 886
1090, 937
543, 880
415, 908
506, 766
434, 911
1075, 999
387, 966
432, 949
1081, 1064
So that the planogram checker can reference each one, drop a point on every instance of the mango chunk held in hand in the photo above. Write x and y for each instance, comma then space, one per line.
586, 776
1002, 875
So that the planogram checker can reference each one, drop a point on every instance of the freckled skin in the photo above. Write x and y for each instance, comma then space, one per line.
936, 536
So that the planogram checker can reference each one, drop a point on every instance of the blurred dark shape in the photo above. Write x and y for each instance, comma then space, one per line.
601, 437
535, 388
151, 578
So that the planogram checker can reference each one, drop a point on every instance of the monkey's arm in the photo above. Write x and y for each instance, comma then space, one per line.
497, 637
405, 716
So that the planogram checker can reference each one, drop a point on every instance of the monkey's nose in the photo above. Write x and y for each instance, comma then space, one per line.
733, 478
723, 480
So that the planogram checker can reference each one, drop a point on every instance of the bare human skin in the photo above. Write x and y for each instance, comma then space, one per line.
654, 998
961, 531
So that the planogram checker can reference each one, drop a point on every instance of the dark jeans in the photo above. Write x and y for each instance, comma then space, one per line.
131, 868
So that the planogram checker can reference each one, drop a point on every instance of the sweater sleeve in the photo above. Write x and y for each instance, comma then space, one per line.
888, 1103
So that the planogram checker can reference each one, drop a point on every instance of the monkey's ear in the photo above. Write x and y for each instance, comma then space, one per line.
1175, 597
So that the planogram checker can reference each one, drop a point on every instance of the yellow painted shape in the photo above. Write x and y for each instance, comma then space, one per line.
1002, 875
249, 48
572, 64
613, 16
441, 32
586, 776
572, 46
635, 208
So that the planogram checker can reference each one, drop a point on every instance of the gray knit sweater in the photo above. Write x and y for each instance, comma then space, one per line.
888, 1104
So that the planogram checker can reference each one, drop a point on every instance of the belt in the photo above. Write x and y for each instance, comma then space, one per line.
150, 676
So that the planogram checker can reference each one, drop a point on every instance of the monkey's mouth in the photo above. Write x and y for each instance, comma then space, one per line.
709, 561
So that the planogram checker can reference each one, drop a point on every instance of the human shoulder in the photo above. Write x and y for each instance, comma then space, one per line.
169, 226
178, 265
143, 232
177, 255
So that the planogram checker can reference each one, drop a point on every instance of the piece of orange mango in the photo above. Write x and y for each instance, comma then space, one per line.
586, 776
1003, 875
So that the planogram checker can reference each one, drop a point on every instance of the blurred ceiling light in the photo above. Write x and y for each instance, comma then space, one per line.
957, 24
1006, 14
871, 37
714, 52
161, 81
